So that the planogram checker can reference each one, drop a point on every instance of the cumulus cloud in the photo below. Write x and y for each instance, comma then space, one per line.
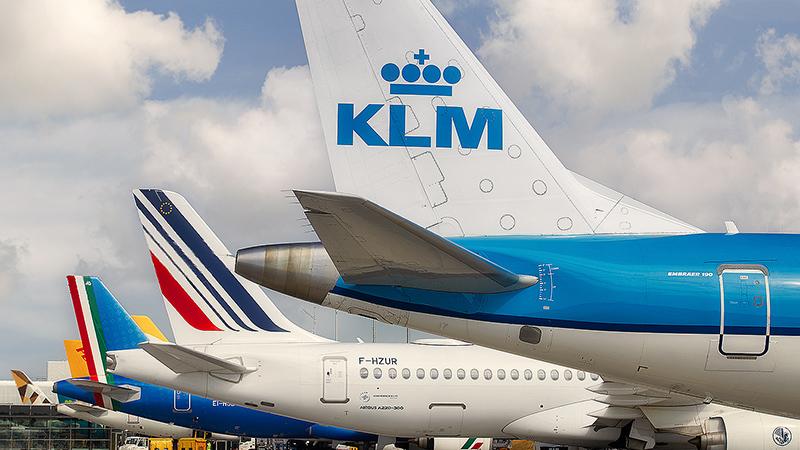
89, 56
73, 209
592, 55
737, 159
780, 56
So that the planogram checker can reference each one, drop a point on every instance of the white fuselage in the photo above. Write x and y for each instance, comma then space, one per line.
406, 390
686, 364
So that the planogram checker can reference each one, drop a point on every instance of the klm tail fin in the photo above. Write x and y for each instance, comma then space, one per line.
205, 300
103, 323
413, 122
29, 393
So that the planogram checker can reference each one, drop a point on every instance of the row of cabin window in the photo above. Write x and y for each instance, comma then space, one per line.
461, 374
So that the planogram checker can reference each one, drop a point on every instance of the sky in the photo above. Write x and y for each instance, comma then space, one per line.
690, 106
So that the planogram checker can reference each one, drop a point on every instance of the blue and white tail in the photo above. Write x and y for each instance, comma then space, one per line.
413, 122
205, 300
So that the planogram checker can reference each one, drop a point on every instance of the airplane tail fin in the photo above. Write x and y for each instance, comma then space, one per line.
29, 393
76, 352
76, 358
103, 323
413, 122
205, 300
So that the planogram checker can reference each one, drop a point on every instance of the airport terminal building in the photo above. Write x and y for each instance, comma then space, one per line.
24, 427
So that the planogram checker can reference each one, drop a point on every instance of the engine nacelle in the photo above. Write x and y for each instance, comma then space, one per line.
748, 431
301, 270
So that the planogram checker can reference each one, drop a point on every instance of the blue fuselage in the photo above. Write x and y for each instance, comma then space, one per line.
658, 284
179, 408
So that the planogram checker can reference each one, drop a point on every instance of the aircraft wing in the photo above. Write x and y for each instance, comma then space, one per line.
185, 360
119, 393
371, 245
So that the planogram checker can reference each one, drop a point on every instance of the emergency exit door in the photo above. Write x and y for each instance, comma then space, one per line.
334, 380
745, 310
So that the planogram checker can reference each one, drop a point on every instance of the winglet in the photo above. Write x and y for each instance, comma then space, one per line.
373, 246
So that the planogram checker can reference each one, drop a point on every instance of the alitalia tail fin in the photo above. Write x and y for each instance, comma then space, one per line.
76, 353
413, 122
205, 300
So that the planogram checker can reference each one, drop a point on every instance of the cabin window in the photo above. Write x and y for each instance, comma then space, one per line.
364, 372
581, 375
406, 373
514, 374
501, 374
528, 374
473, 374
554, 374
594, 376
377, 373
447, 374
568, 375
392, 373
434, 374
421, 374
541, 375
487, 374
461, 374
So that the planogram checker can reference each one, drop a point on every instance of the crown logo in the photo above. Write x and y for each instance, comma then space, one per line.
431, 74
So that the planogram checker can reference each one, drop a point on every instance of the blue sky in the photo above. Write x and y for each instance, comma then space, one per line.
206, 119
262, 35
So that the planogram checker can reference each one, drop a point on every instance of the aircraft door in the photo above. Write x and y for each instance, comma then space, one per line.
182, 402
745, 310
445, 419
334, 380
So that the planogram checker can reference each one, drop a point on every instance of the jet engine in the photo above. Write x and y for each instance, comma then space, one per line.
301, 270
747, 431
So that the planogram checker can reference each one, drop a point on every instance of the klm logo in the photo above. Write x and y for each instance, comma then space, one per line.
449, 119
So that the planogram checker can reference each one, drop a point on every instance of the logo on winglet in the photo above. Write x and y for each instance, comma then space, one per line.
435, 81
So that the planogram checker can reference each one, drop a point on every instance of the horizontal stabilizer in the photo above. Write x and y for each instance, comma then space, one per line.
373, 246
123, 394
185, 360
86, 408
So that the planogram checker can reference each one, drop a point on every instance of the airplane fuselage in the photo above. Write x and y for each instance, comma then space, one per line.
399, 389
710, 315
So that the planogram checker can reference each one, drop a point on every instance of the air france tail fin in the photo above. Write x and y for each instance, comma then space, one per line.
205, 300
414, 122
29, 393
